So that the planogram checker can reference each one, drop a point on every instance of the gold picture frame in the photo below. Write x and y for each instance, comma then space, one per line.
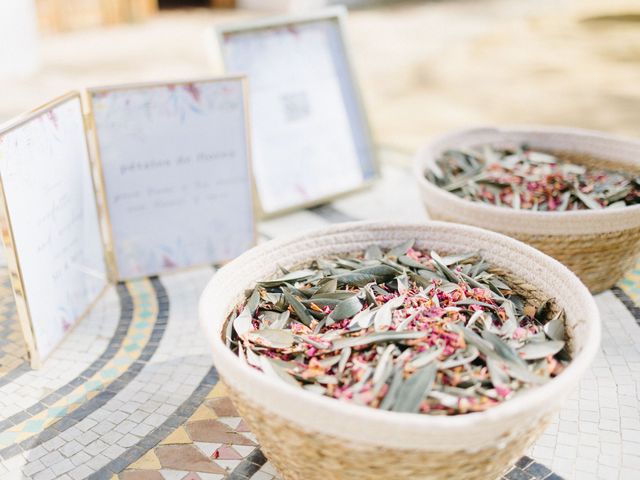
99, 191
339, 15
101, 187
8, 237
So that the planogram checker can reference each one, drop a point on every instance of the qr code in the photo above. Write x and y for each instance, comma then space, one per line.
296, 106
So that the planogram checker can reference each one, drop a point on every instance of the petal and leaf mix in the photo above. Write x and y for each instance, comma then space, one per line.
403, 330
522, 178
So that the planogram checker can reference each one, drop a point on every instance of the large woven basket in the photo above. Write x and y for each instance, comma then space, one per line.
311, 437
598, 245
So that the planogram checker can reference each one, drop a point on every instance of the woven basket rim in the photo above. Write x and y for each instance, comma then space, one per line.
534, 222
229, 363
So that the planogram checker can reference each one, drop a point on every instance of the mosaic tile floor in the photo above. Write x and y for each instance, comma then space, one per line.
13, 351
131, 394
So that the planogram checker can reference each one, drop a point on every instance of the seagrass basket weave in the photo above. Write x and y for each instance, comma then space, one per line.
312, 437
598, 245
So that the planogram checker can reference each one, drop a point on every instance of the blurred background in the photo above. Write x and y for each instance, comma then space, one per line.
424, 67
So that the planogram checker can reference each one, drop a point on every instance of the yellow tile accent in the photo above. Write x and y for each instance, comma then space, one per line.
145, 313
203, 413
219, 390
148, 461
630, 284
179, 435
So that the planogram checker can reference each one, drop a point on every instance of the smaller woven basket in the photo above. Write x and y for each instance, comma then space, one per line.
312, 437
598, 245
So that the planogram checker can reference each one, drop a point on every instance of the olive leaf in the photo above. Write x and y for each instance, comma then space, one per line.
377, 337
298, 308
506, 353
272, 338
426, 357
373, 252
555, 328
273, 369
362, 320
253, 302
410, 262
344, 358
346, 309
446, 271
329, 285
536, 350
357, 279
289, 277
401, 249
414, 389
383, 316
242, 323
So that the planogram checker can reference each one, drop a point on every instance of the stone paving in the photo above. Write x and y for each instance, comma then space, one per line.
132, 394
12, 347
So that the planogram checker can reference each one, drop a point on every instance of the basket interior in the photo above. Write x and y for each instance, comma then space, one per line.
591, 161
578, 153
532, 295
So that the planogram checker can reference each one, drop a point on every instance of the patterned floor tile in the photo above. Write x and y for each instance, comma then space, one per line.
145, 312
142, 475
205, 443
88, 347
13, 350
630, 284
185, 457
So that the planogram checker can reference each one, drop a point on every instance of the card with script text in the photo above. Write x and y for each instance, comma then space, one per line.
175, 165
50, 225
